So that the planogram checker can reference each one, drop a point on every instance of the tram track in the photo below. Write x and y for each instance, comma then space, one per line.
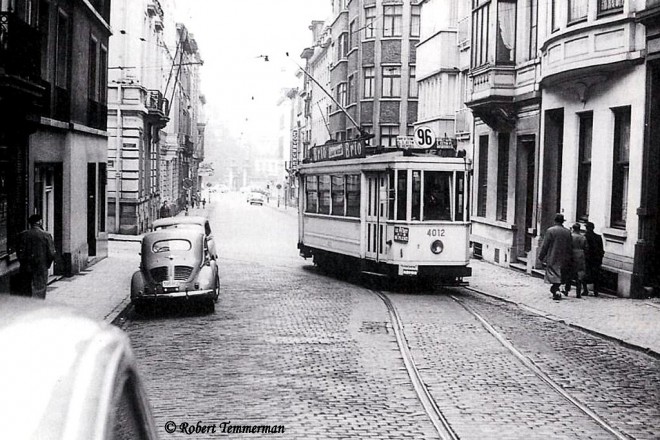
438, 419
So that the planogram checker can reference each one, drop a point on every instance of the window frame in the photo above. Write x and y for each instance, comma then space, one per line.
369, 20
571, 7
585, 152
503, 153
368, 82
413, 86
389, 132
392, 20
391, 82
480, 46
415, 20
602, 11
482, 176
620, 167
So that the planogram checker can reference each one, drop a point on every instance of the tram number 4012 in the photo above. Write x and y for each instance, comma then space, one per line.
435, 232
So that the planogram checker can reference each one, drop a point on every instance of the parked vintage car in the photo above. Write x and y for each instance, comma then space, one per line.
187, 222
65, 376
176, 264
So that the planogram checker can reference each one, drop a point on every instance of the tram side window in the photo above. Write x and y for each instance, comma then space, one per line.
391, 194
324, 195
312, 204
437, 195
460, 196
402, 194
353, 196
337, 195
416, 194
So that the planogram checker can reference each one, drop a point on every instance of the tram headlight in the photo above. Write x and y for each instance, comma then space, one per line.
437, 247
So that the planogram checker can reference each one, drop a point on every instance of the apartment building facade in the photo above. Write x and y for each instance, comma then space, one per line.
137, 112
53, 66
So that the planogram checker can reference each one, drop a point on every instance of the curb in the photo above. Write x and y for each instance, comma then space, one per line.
644, 350
117, 316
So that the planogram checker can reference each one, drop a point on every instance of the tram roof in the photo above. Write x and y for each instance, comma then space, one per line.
381, 161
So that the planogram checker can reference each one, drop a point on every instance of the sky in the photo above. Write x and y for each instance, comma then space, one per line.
241, 88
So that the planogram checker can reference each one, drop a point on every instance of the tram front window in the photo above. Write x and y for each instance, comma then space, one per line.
437, 195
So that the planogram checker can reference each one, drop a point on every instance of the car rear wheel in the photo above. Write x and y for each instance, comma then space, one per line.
216, 291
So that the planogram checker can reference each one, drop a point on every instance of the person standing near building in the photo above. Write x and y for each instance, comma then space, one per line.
593, 256
36, 252
556, 254
165, 210
579, 244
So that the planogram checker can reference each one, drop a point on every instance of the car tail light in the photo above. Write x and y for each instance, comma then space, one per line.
437, 247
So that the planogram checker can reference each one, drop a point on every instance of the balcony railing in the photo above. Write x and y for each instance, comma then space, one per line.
20, 47
156, 103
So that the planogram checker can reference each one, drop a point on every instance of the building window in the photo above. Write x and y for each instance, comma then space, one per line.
506, 32
620, 167
368, 82
413, 90
369, 19
554, 15
388, 135
352, 40
352, 93
391, 82
480, 22
482, 189
62, 69
353, 195
93, 85
533, 28
392, 21
338, 195
342, 46
311, 190
341, 94
415, 14
609, 6
577, 10
502, 176
584, 165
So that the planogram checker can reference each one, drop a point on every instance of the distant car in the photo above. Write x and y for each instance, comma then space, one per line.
176, 264
188, 222
65, 376
256, 198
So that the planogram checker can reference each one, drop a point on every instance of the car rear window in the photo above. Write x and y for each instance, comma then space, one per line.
180, 226
171, 245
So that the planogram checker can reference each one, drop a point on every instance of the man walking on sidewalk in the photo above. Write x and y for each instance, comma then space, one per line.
578, 264
556, 254
593, 257
36, 252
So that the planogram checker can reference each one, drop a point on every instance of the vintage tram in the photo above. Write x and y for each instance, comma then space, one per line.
394, 213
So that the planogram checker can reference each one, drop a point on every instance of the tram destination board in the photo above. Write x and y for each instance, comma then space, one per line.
337, 150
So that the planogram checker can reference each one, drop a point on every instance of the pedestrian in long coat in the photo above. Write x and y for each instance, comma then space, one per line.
579, 244
556, 253
36, 252
165, 210
593, 256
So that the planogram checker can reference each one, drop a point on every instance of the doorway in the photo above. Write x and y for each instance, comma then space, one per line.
376, 216
91, 209
552, 166
48, 203
526, 169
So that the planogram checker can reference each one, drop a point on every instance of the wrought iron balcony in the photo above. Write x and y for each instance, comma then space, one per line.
20, 48
156, 103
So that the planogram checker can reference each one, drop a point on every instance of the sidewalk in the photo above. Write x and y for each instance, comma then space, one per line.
634, 322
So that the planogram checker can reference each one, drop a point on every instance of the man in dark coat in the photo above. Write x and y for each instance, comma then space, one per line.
165, 210
556, 253
36, 252
579, 263
593, 256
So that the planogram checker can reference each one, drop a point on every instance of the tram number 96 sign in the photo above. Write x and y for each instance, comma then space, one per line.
424, 137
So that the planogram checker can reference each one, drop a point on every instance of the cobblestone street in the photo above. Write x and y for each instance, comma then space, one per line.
289, 345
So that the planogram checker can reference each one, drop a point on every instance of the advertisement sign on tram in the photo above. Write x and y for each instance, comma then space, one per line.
341, 150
